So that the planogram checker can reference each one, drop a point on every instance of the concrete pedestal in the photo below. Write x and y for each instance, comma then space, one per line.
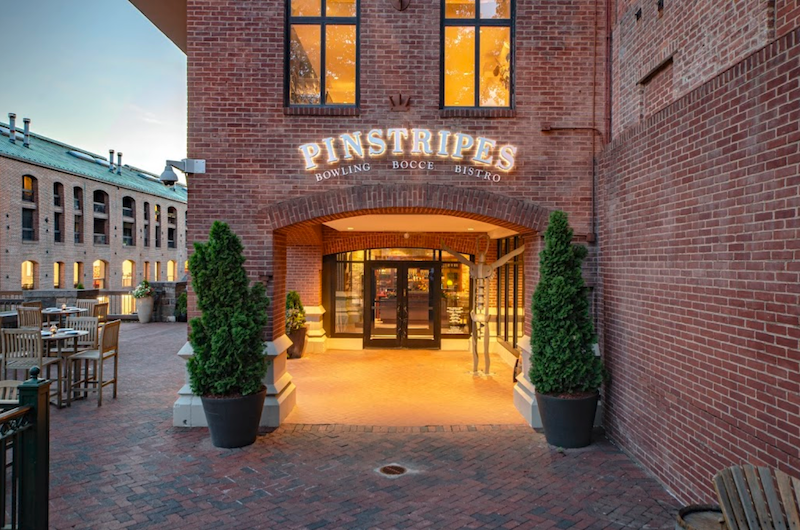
525, 393
315, 338
281, 392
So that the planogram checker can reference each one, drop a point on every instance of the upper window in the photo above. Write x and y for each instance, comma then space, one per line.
28, 188
322, 53
477, 53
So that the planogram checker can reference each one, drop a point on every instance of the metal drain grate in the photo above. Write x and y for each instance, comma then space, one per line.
393, 469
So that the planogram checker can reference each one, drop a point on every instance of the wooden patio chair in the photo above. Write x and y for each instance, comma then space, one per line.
100, 311
750, 499
32, 303
23, 349
9, 393
108, 349
29, 317
88, 303
87, 342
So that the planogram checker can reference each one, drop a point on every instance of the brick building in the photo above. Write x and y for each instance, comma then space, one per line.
358, 139
73, 217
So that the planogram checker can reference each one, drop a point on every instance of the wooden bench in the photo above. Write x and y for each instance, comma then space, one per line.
750, 499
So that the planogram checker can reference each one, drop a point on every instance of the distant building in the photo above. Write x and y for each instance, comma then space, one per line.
74, 218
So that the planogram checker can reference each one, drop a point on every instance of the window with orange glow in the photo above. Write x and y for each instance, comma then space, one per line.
322, 48
477, 53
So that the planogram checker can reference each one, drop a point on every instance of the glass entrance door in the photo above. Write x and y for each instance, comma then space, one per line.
402, 311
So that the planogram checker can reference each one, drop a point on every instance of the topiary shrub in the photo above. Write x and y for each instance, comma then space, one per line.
228, 351
562, 338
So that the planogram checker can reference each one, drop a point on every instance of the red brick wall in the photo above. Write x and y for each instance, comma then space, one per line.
700, 240
238, 125
304, 273
702, 39
787, 16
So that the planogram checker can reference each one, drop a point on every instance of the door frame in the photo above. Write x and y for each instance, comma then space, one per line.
402, 339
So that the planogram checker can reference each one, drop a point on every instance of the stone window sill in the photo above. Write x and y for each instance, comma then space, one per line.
321, 111
477, 113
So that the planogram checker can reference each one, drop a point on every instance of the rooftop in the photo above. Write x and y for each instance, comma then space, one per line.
59, 156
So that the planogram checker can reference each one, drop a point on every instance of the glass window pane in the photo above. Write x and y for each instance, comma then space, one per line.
495, 8
495, 67
306, 8
455, 299
348, 312
304, 65
340, 58
401, 254
459, 66
459, 9
340, 8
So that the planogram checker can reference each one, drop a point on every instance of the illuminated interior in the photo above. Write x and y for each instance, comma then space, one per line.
494, 56
305, 55
28, 275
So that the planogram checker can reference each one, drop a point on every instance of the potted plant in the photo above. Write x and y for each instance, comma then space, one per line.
295, 325
144, 301
180, 307
228, 365
565, 370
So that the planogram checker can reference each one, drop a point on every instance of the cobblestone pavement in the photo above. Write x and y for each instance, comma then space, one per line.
123, 465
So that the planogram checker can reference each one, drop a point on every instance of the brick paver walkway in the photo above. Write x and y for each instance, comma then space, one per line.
124, 466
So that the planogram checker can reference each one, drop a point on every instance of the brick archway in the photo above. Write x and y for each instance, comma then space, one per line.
502, 210
298, 222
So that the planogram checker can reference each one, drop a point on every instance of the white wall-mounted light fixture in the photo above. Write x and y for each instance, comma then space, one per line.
187, 165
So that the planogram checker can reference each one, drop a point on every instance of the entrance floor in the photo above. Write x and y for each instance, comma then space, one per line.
124, 465
402, 388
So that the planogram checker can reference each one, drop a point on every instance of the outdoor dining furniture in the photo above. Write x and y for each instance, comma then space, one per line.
33, 303
108, 349
29, 317
9, 393
100, 310
62, 312
22, 349
61, 338
86, 303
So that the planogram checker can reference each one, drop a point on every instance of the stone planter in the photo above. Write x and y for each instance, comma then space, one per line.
144, 309
298, 338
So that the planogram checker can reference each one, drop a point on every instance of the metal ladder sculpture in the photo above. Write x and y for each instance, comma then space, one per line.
481, 272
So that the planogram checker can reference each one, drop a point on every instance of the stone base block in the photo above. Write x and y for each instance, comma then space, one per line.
276, 408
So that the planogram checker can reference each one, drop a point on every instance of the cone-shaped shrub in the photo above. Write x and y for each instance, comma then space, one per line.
562, 357
228, 352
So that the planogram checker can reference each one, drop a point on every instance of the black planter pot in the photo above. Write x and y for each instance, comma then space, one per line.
233, 422
298, 338
567, 422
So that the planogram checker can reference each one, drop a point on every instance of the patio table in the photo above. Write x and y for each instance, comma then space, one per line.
59, 338
61, 312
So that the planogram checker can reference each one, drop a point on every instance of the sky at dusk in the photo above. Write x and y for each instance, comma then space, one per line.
95, 74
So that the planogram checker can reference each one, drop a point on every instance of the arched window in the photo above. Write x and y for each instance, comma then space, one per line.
172, 270
157, 277
58, 212
172, 227
146, 225
99, 271
100, 203
30, 212
146, 271
158, 226
77, 206
77, 275
30, 275
128, 273
58, 275
128, 222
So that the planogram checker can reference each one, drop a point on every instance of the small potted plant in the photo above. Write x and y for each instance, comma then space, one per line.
565, 370
228, 364
144, 301
295, 325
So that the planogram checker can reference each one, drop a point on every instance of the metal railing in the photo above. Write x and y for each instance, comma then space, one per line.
25, 458
120, 303
99, 207
100, 239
